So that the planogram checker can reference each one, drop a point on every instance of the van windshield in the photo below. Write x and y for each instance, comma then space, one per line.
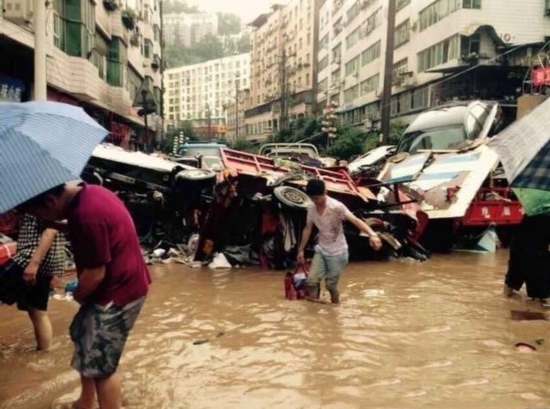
451, 137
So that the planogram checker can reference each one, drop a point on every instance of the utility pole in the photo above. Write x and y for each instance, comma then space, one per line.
237, 91
161, 34
388, 74
40, 79
209, 119
315, 70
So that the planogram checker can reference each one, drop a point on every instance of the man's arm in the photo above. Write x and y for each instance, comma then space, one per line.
88, 281
306, 234
44, 245
59, 225
374, 238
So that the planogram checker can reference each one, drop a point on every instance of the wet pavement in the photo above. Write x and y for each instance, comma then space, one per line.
407, 335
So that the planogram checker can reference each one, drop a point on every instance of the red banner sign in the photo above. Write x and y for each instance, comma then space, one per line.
541, 76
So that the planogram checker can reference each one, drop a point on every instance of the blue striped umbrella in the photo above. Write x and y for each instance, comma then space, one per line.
524, 149
42, 145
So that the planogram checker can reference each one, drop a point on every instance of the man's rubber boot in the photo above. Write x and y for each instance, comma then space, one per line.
334, 296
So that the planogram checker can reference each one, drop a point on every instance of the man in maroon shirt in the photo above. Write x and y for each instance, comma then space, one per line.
112, 283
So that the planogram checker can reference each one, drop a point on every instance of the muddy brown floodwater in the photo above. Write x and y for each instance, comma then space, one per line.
407, 335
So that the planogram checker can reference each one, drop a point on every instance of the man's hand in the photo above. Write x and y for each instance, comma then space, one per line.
375, 242
29, 275
301, 259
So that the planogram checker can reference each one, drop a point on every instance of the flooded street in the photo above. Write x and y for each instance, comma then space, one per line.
407, 335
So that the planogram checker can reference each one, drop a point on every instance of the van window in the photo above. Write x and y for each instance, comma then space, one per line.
442, 138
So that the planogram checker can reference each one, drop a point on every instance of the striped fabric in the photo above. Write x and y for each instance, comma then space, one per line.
537, 173
521, 146
42, 145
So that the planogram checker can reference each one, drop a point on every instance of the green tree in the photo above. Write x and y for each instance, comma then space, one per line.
175, 6
228, 23
244, 44
349, 143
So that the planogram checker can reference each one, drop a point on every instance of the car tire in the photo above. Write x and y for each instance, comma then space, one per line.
292, 197
195, 175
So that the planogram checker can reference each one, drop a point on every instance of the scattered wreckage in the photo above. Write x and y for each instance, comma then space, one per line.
253, 211
444, 164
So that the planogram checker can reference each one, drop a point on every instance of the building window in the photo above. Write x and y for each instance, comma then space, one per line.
99, 55
353, 65
323, 85
471, 4
437, 11
440, 53
335, 77
323, 63
74, 26
117, 58
354, 11
323, 43
351, 94
370, 85
398, 71
402, 33
402, 3
371, 54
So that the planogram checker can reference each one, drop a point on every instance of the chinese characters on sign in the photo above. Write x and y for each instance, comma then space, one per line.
11, 90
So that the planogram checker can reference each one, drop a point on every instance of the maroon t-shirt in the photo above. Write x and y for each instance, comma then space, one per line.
102, 232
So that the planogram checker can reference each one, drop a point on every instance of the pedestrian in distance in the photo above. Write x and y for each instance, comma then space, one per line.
113, 283
26, 278
331, 253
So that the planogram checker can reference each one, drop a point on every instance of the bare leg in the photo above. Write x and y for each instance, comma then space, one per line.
42, 329
109, 392
87, 394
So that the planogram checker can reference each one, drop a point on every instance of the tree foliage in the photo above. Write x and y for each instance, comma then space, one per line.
228, 24
175, 6
349, 143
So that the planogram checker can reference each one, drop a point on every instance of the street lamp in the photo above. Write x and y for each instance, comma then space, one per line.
209, 119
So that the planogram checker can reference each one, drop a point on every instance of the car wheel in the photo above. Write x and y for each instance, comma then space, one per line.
195, 175
292, 197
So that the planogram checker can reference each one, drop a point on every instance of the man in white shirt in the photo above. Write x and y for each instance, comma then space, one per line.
331, 254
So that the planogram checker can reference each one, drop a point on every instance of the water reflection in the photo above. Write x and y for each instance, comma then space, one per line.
408, 335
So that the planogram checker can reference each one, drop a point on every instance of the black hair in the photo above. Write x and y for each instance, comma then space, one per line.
315, 187
38, 200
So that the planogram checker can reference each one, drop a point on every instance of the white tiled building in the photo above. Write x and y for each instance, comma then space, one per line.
188, 29
200, 92
433, 39
99, 56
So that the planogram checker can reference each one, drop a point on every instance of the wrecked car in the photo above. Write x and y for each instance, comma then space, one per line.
442, 161
161, 195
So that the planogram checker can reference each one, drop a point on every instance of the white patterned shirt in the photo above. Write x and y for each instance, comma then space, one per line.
332, 241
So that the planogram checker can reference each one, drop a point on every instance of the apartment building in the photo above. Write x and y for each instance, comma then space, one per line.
199, 93
444, 50
187, 29
103, 56
282, 83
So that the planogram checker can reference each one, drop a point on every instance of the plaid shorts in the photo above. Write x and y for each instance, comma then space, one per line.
99, 335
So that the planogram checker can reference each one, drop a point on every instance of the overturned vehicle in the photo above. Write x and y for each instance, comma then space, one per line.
444, 164
259, 211
162, 196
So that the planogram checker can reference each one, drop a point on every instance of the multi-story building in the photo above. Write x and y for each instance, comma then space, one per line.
236, 126
103, 56
199, 93
282, 83
437, 45
187, 29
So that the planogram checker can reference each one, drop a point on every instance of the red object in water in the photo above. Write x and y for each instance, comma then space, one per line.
7, 251
290, 291
293, 292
